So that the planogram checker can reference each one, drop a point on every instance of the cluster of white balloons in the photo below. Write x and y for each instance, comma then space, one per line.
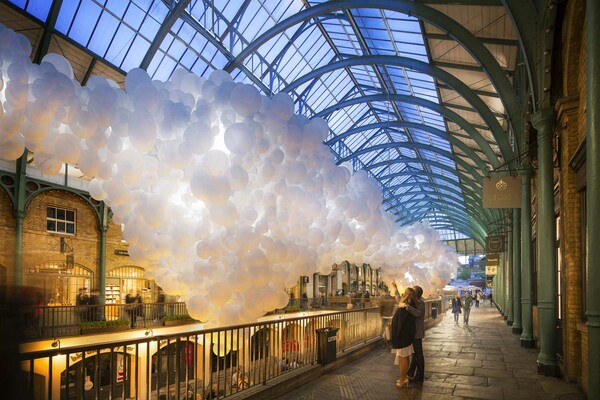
226, 196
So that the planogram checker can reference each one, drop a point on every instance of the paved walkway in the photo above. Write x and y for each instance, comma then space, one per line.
482, 360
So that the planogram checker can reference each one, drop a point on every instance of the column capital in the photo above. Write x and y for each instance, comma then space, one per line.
543, 119
525, 172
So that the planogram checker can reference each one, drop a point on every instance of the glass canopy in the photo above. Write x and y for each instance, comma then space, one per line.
384, 78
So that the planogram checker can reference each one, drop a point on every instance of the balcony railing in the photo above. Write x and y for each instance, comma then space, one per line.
56, 321
202, 364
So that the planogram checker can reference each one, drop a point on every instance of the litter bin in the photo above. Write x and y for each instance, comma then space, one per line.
434, 312
326, 344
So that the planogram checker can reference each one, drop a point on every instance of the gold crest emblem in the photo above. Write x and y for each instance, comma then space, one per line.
501, 185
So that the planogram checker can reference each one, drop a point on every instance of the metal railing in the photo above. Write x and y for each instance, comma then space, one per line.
203, 364
55, 321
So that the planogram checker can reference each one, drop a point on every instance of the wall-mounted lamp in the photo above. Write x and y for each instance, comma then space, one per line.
149, 332
56, 343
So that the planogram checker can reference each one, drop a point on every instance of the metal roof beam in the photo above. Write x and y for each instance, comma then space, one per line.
451, 115
458, 220
473, 211
486, 40
470, 226
469, 168
438, 73
176, 10
465, 108
431, 15
44, 45
476, 91
412, 125
526, 19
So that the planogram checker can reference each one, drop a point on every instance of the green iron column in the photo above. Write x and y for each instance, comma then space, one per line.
509, 273
593, 194
527, 339
19, 210
516, 270
500, 301
103, 226
543, 121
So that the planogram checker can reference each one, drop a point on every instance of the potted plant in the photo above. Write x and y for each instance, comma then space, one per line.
104, 326
291, 309
172, 320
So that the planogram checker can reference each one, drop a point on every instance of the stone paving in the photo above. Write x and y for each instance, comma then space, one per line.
482, 360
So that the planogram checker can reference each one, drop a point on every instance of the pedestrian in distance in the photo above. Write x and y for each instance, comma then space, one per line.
467, 303
456, 307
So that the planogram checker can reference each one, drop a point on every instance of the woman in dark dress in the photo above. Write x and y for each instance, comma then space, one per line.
403, 333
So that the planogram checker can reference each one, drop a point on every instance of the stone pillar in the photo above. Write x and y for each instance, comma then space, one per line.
509, 272
527, 339
517, 327
593, 194
543, 122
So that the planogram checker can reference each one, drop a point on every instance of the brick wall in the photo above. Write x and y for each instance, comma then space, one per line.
571, 122
40, 246
7, 235
570, 243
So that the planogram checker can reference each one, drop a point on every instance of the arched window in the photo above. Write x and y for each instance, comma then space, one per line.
59, 282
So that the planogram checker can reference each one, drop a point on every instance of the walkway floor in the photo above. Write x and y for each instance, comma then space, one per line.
482, 360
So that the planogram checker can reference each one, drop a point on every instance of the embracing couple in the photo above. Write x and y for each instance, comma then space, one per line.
407, 335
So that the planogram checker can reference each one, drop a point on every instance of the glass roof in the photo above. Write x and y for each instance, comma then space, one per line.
401, 142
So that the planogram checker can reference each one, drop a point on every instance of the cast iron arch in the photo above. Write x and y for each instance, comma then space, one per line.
445, 111
460, 87
473, 45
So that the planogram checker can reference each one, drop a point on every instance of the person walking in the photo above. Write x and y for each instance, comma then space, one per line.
456, 307
416, 370
403, 334
467, 303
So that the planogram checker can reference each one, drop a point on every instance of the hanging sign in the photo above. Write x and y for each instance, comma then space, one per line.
491, 264
502, 192
494, 244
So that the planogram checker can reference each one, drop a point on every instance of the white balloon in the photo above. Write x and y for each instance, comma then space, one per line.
61, 64
13, 148
215, 163
95, 189
239, 138
211, 189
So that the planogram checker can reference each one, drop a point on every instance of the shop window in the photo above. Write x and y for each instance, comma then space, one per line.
105, 374
60, 220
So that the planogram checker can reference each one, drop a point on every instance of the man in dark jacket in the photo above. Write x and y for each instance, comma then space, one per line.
416, 371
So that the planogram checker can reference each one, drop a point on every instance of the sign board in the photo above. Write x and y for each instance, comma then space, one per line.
121, 253
494, 244
491, 270
502, 192
491, 264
